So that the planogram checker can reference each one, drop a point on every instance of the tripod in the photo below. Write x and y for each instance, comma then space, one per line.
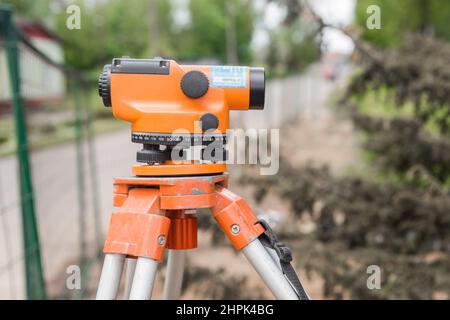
158, 212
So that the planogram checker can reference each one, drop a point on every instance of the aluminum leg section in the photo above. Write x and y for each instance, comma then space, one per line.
266, 267
174, 274
130, 266
110, 277
144, 278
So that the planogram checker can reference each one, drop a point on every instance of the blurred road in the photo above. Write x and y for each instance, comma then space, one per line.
55, 177
55, 185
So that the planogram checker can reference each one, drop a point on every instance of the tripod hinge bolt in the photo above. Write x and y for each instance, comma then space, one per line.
235, 229
161, 240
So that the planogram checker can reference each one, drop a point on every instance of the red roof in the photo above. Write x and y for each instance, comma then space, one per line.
35, 29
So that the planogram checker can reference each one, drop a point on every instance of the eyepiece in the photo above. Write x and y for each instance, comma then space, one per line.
104, 85
257, 88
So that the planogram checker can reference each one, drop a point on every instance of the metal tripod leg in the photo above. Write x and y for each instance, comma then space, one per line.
144, 278
244, 231
174, 274
110, 277
269, 271
130, 266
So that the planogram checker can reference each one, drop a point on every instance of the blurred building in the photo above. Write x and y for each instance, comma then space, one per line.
41, 82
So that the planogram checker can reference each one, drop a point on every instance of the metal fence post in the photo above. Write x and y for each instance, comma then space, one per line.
93, 172
80, 170
35, 284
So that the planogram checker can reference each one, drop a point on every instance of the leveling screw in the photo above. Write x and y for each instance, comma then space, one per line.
235, 229
161, 240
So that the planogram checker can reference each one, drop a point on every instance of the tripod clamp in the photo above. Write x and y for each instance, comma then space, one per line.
284, 254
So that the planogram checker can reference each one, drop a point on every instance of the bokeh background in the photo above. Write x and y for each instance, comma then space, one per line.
364, 119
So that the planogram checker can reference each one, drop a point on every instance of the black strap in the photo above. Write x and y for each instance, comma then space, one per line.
284, 253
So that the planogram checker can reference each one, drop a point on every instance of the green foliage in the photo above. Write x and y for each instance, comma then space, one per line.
415, 74
441, 18
401, 149
291, 50
38, 10
401, 100
398, 17
118, 27
110, 29
205, 36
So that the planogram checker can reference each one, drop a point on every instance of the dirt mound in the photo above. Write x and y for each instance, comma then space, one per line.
359, 223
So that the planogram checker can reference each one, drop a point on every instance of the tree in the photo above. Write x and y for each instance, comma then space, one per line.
111, 29
399, 17
37, 10
116, 28
205, 36
291, 49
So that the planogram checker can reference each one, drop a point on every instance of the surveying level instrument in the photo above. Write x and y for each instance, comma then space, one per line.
173, 108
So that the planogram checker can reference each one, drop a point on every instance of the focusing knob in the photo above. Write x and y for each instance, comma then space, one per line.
209, 122
104, 85
194, 84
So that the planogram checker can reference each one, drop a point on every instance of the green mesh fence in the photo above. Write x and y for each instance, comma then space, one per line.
49, 192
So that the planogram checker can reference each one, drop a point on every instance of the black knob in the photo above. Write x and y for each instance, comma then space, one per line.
104, 85
208, 122
152, 154
194, 84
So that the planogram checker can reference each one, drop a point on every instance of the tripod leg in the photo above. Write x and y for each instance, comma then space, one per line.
144, 278
269, 271
129, 274
174, 274
139, 229
110, 277
257, 241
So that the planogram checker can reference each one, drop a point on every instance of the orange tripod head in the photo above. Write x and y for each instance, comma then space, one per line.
171, 105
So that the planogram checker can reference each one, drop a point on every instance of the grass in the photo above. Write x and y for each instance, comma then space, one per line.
381, 103
48, 135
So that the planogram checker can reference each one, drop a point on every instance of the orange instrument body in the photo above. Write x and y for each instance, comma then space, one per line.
177, 106
156, 103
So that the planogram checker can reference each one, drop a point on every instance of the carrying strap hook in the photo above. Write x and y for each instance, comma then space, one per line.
284, 253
